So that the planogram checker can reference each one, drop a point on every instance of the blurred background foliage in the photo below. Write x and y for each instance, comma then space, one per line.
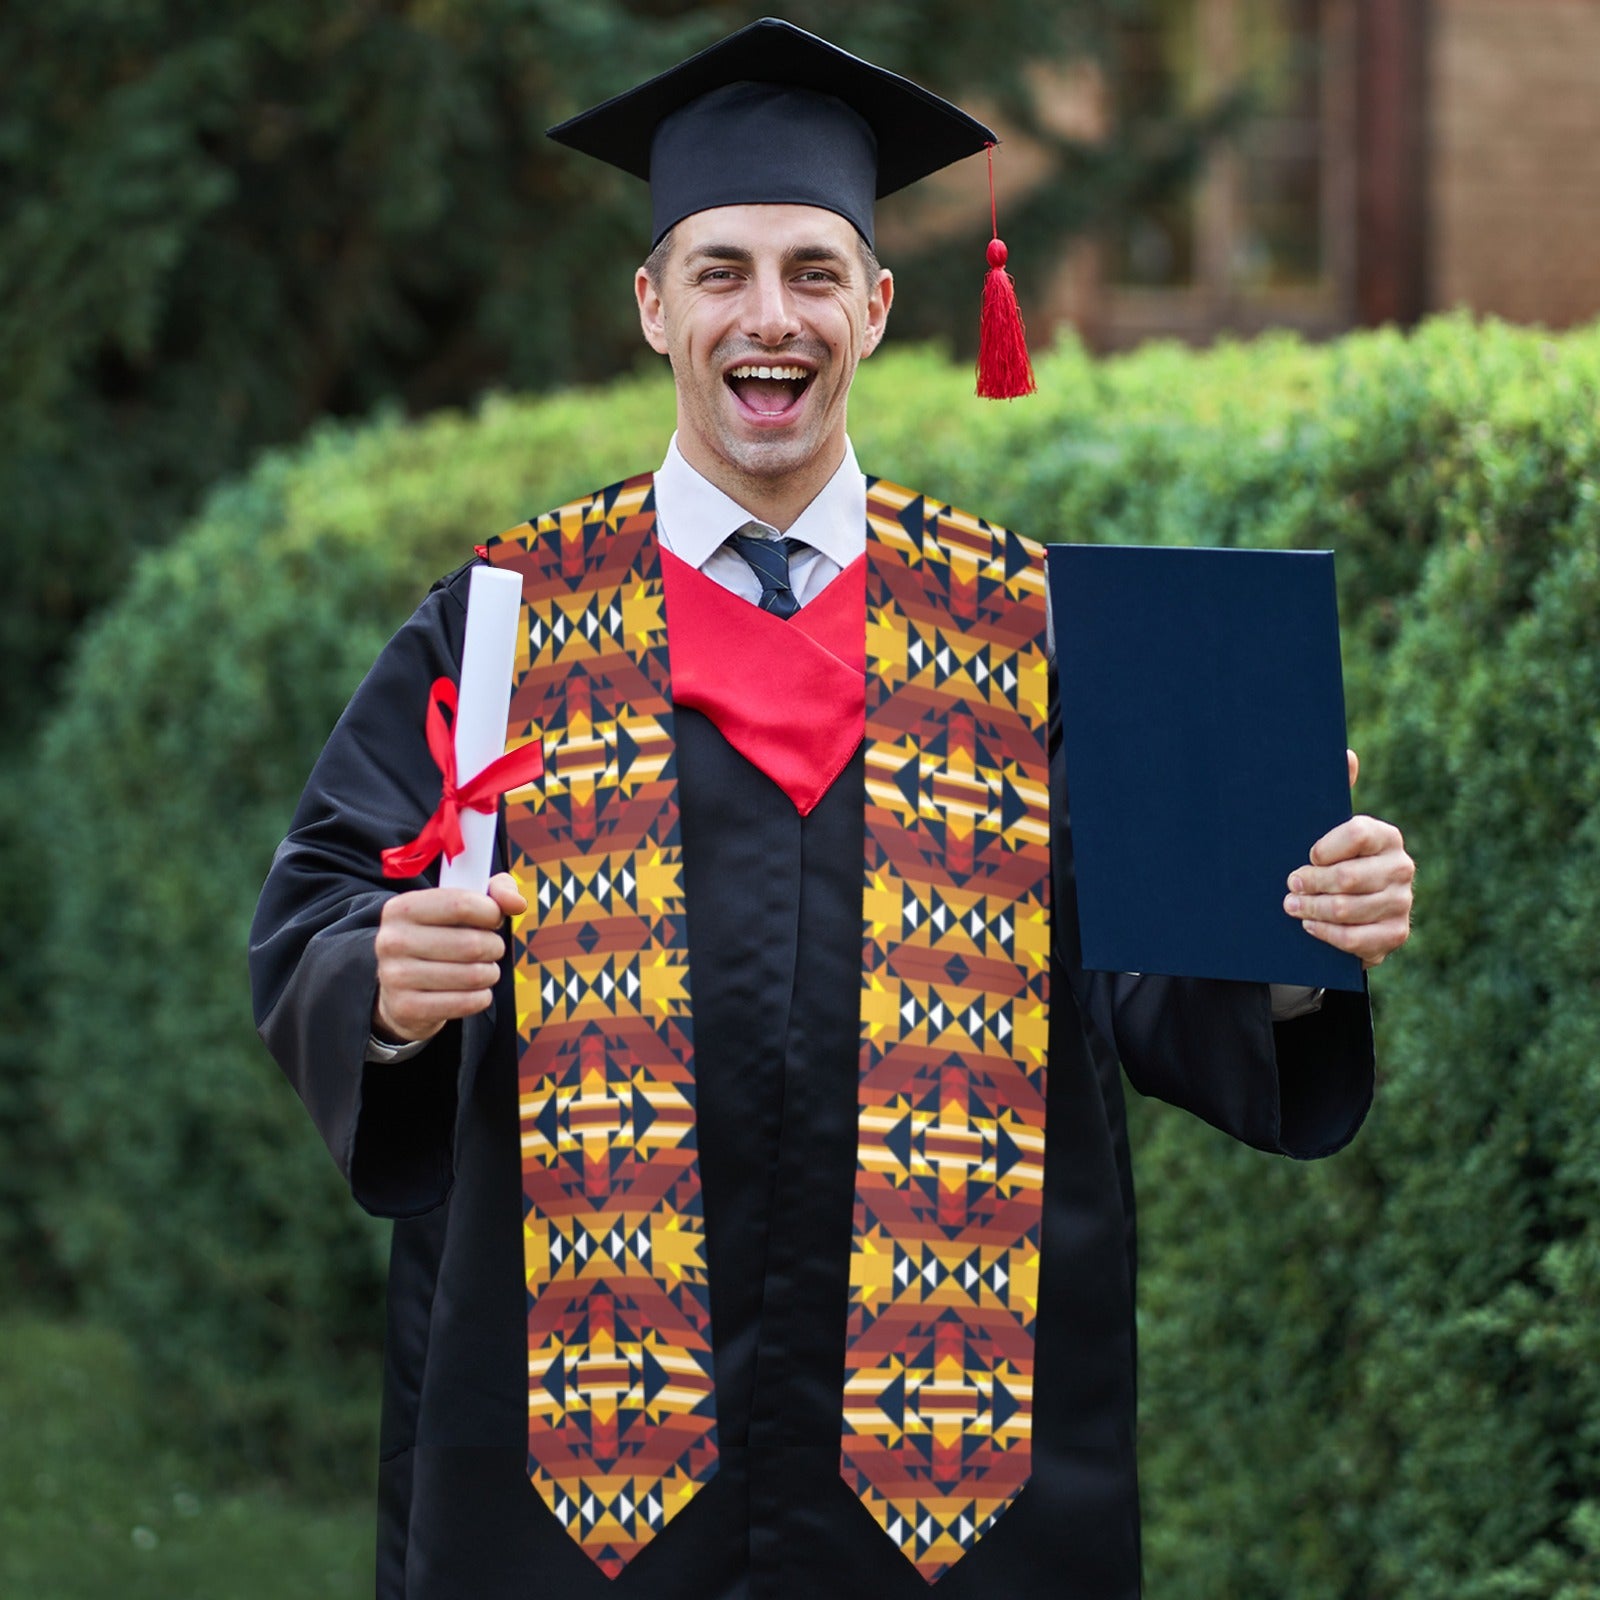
218, 224
257, 267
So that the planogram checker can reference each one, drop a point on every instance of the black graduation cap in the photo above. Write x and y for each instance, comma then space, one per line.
774, 115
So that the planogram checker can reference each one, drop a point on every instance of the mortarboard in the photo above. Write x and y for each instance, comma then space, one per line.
773, 115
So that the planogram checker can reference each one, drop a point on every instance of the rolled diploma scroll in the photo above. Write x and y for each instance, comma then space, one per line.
494, 606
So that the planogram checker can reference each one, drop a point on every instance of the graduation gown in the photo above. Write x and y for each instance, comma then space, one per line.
774, 921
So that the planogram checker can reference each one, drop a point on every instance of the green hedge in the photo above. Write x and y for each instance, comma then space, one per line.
192, 1205
1371, 1378
1378, 1377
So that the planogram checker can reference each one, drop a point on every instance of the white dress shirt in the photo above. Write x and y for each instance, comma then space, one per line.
694, 518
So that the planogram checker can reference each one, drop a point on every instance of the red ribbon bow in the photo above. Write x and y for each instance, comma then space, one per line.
442, 831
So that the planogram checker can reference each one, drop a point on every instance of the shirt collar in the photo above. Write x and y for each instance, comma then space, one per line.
696, 516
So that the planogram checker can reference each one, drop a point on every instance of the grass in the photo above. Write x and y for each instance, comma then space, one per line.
93, 1502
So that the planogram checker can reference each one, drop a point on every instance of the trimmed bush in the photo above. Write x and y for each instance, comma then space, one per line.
1373, 1377
193, 1206
1376, 1377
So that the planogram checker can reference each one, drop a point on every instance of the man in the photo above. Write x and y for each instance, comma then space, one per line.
764, 1220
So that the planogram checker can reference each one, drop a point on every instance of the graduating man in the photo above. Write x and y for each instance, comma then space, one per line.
763, 1220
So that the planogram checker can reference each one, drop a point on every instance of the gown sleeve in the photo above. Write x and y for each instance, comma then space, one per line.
1300, 1088
390, 1127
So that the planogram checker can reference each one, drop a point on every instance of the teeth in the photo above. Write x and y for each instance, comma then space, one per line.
798, 374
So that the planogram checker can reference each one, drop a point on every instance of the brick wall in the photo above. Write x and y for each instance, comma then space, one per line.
1514, 158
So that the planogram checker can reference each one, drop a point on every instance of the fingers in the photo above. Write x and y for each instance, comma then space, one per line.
505, 894
1372, 942
1356, 892
447, 927
1318, 888
1353, 761
447, 907
439, 953
472, 962
1360, 836
405, 1016
1375, 904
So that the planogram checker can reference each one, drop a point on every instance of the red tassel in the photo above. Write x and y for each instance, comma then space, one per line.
1004, 370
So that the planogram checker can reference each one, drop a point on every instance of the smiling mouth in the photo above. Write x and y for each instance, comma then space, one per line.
769, 391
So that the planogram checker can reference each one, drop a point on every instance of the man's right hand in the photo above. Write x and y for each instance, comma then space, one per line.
438, 957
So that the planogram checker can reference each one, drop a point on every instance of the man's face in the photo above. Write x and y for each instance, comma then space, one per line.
764, 311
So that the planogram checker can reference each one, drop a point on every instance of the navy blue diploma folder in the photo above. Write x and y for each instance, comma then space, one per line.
1202, 715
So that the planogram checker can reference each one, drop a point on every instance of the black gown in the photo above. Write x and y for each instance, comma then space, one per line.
774, 917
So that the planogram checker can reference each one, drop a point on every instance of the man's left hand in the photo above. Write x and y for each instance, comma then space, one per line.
1355, 893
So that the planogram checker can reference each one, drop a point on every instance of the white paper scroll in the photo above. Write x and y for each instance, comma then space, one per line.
494, 605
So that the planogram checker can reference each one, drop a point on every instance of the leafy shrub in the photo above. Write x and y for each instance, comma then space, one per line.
1376, 1378
192, 1209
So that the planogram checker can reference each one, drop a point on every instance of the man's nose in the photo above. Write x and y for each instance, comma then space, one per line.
772, 319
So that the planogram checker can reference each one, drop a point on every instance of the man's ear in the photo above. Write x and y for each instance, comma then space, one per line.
878, 303
652, 315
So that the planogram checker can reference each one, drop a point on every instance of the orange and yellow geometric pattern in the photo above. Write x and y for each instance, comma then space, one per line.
954, 1027
621, 1405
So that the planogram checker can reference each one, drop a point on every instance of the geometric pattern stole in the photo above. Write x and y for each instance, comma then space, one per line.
621, 1414
944, 1266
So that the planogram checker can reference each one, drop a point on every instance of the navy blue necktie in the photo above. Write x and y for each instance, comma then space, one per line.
769, 560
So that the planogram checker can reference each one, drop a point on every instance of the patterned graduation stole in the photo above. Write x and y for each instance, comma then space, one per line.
944, 1267
937, 1408
621, 1418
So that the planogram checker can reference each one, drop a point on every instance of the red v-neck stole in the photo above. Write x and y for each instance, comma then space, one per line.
789, 696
